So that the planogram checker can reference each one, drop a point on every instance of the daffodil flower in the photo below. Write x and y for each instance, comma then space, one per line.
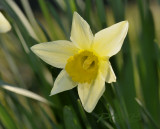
4, 24
84, 59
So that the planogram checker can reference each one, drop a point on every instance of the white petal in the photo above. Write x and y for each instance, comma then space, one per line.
81, 33
62, 83
4, 24
90, 93
108, 42
55, 53
107, 71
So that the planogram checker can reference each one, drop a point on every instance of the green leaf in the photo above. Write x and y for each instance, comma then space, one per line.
156, 125
148, 65
11, 62
87, 11
24, 92
83, 115
6, 119
118, 8
125, 91
33, 21
22, 17
69, 10
48, 18
70, 119
57, 18
101, 12
72, 5
105, 123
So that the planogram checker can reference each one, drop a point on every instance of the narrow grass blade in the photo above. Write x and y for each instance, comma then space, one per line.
126, 87
120, 106
24, 92
57, 18
69, 10
141, 9
72, 5
147, 114
25, 117
83, 114
49, 118
87, 11
147, 60
22, 17
11, 63
105, 123
101, 12
33, 21
118, 9
24, 44
6, 119
48, 19
70, 119
80, 6
157, 48
15, 19
61, 4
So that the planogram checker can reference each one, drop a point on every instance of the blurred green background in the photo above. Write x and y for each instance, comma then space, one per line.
133, 102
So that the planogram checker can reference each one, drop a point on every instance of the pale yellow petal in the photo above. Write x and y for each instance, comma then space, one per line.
107, 71
55, 53
81, 34
90, 93
4, 24
108, 42
62, 83
111, 77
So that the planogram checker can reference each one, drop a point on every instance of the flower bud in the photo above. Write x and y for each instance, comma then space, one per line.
4, 24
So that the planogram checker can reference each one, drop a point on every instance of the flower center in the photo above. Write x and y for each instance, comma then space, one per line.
83, 66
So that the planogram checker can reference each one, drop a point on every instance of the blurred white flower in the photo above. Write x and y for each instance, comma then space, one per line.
4, 24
